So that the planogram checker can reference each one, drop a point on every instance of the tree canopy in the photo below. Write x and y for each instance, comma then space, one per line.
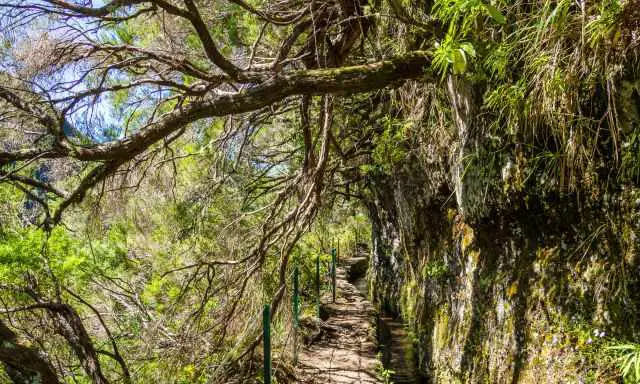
163, 162
97, 96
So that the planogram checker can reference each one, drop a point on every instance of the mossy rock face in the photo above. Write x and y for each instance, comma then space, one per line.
510, 297
357, 269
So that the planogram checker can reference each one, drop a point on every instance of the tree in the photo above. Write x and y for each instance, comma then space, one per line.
190, 86
98, 95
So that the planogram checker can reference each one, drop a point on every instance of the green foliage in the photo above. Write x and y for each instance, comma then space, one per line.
390, 145
344, 225
20, 252
539, 73
509, 103
546, 81
386, 375
496, 62
462, 14
453, 55
628, 358
631, 157
495, 13
11, 200
70, 260
435, 269
604, 27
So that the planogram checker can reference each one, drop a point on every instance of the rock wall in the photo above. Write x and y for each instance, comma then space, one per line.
522, 293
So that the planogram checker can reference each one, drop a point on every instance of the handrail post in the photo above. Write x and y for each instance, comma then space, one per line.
318, 285
296, 314
333, 273
266, 328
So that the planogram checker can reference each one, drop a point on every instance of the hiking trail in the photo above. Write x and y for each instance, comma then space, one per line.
345, 352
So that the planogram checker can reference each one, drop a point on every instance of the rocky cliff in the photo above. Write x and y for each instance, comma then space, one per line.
515, 296
515, 287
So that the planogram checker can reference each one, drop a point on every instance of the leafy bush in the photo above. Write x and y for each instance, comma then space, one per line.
628, 358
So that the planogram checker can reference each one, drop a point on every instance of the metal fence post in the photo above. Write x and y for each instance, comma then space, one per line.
296, 297
318, 286
266, 327
333, 273
296, 314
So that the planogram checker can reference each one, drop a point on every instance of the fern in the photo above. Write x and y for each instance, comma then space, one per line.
628, 357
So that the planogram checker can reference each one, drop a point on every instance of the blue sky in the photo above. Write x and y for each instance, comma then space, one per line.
94, 122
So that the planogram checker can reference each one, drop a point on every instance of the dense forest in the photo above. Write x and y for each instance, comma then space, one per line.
168, 166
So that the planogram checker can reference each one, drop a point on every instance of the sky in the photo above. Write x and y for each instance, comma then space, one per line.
99, 122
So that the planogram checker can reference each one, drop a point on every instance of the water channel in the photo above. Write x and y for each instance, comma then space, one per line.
396, 348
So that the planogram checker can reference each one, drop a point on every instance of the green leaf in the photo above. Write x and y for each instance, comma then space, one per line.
621, 347
495, 14
627, 364
468, 48
459, 61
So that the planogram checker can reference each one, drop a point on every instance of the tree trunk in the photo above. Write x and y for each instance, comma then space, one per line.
24, 365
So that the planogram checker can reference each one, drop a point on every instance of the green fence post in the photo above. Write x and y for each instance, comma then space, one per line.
296, 314
355, 241
266, 327
296, 298
338, 253
318, 286
333, 273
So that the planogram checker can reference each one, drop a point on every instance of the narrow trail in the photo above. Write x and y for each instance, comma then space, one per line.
346, 351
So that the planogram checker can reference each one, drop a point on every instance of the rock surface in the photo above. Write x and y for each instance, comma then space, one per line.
511, 296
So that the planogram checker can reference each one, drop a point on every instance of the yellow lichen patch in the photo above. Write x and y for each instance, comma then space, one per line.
441, 329
475, 256
451, 214
466, 233
409, 296
512, 290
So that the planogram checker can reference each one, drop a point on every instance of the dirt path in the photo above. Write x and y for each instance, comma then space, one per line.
346, 352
